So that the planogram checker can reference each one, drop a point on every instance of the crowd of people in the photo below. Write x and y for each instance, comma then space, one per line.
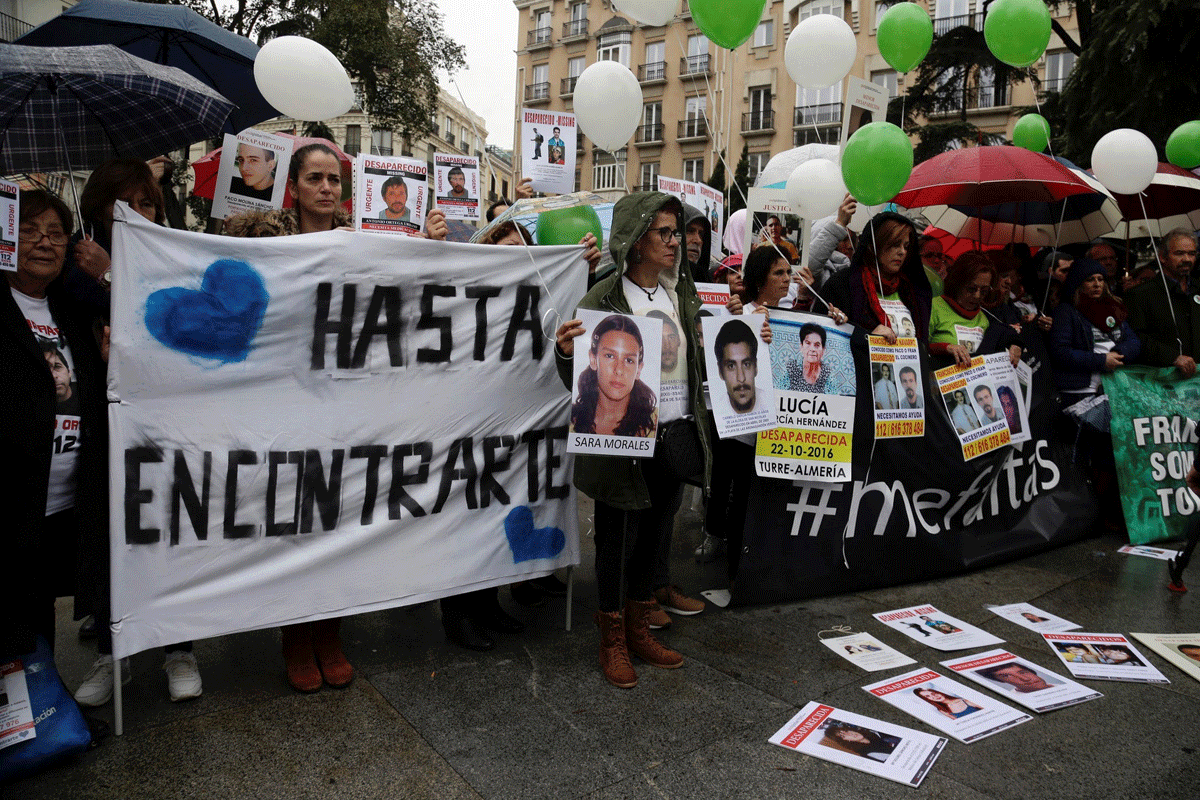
1091, 316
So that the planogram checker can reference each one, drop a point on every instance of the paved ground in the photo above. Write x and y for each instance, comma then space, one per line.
535, 718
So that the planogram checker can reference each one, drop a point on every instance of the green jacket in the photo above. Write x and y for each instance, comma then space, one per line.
616, 480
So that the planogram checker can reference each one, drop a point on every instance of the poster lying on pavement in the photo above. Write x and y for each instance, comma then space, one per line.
947, 705
936, 629
1103, 656
1181, 649
866, 652
868, 745
1023, 681
1033, 618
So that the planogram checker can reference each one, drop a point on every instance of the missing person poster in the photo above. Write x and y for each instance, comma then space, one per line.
16, 713
701, 197
10, 224
970, 396
252, 175
456, 185
1021, 680
742, 394
947, 705
866, 102
1181, 649
866, 652
390, 196
714, 298
897, 388
770, 221
813, 373
863, 743
615, 390
1033, 618
1158, 553
1103, 657
1009, 396
937, 630
548, 150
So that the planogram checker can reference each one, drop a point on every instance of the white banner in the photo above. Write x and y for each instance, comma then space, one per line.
318, 425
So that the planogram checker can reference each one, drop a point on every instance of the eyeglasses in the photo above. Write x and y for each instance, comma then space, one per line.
667, 233
32, 235
975, 289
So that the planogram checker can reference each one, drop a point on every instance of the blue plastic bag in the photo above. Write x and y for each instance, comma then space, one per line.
61, 729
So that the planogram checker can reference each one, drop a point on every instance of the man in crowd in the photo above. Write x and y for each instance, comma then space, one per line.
395, 197
697, 234
1165, 311
912, 397
1106, 254
987, 404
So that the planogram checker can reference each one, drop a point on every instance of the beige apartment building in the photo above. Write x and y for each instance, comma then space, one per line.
700, 100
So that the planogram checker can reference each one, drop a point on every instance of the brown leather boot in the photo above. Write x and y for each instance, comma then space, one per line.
328, 647
614, 657
641, 642
302, 672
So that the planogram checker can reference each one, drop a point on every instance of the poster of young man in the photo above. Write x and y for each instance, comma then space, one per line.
863, 743
1033, 618
936, 629
1181, 649
712, 203
969, 394
10, 215
812, 370
548, 150
1103, 656
252, 175
1021, 680
391, 194
1009, 396
769, 220
896, 388
947, 705
740, 387
456, 185
615, 400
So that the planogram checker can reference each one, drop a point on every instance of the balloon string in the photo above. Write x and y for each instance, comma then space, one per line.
1053, 256
1036, 102
1161, 273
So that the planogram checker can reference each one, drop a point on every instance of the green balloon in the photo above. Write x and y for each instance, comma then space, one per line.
1032, 132
877, 162
569, 225
1017, 31
904, 35
729, 23
1183, 145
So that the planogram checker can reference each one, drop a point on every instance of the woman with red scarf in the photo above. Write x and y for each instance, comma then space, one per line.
884, 290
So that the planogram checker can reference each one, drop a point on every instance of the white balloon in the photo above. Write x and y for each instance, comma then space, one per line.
608, 104
648, 12
820, 51
302, 79
815, 189
1125, 161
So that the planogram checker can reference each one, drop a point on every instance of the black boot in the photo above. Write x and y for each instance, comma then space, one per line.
459, 627
488, 614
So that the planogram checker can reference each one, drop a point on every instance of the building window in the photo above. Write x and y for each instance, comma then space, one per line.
881, 7
450, 129
757, 163
576, 66
760, 109
353, 140
1058, 68
614, 47
541, 26
578, 26
649, 181
540, 88
655, 67
818, 105
696, 106
609, 173
815, 7
764, 34
693, 169
887, 79
951, 14
652, 129
465, 141
381, 142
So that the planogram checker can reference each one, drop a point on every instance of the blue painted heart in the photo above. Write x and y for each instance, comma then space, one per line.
527, 542
219, 321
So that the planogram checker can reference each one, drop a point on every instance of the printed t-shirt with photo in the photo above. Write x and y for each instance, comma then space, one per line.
946, 326
673, 402
900, 319
61, 492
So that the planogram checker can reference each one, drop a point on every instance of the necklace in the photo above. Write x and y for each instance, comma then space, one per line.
649, 294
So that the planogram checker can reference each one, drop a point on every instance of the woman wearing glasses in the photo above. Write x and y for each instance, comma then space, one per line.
636, 500
959, 327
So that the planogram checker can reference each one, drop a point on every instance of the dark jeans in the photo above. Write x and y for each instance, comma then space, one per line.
733, 468
629, 541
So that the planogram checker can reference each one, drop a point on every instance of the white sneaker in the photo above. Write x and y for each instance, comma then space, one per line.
183, 676
97, 686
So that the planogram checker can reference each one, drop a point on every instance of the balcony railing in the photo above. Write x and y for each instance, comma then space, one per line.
574, 28
11, 28
760, 121
1053, 84
536, 92
947, 24
694, 128
830, 134
649, 134
538, 37
823, 114
652, 186
977, 97
654, 71
450, 138
566, 86
695, 65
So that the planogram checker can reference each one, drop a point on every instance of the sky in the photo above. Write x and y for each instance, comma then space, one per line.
488, 30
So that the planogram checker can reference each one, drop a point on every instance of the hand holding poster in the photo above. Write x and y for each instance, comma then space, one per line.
863, 743
456, 185
743, 399
548, 150
1103, 656
937, 630
980, 424
1033, 618
897, 388
947, 705
813, 373
615, 390
1022, 680
10, 216
390, 194
252, 175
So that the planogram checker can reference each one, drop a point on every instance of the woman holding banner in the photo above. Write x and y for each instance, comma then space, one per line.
959, 327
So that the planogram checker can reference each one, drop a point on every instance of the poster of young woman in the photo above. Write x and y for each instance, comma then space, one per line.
813, 373
947, 705
615, 391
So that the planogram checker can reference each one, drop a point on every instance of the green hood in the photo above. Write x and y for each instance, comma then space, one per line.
632, 216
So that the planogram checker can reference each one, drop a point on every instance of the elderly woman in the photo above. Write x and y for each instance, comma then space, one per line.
55, 439
637, 499
959, 326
